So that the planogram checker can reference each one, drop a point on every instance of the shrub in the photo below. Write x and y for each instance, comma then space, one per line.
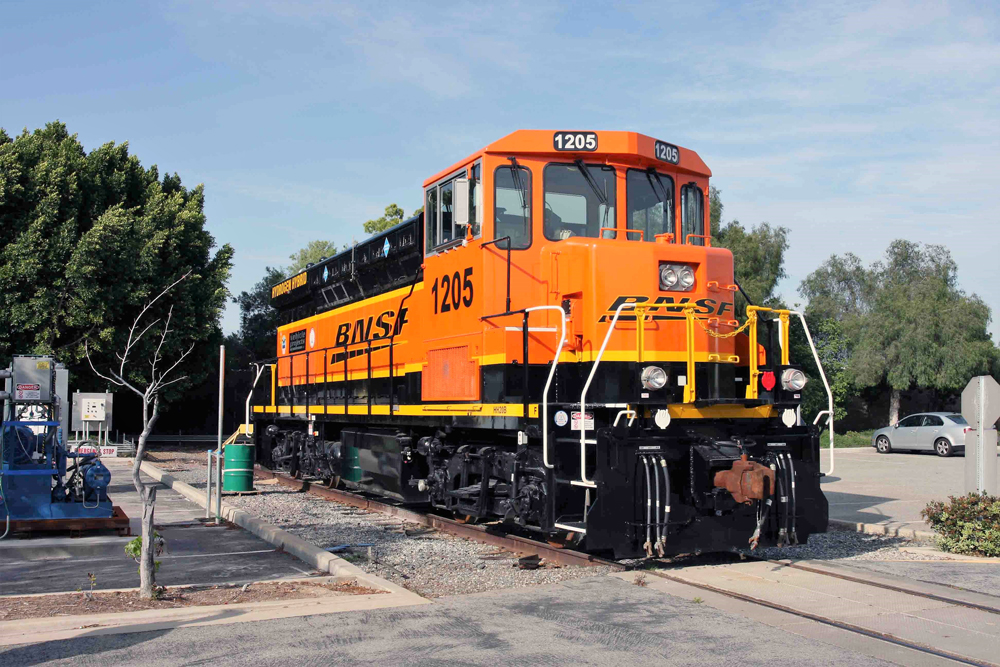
966, 525
849, 439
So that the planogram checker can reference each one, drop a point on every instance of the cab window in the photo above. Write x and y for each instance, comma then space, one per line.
512, 205
579, 200
650, 204
438, 213
692, 214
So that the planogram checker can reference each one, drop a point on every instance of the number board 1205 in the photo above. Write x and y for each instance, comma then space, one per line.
667, 152
575, 141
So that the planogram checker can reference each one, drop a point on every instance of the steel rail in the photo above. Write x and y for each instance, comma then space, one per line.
478, 533
850, 627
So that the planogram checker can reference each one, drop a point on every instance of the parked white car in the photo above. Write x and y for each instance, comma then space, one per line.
941, 432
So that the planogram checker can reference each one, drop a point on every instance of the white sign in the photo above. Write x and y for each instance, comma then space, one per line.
93, 410
105, 450
28, 392
561, 418
588, 421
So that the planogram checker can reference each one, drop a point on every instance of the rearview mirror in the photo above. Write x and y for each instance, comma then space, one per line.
896, 425
460, 202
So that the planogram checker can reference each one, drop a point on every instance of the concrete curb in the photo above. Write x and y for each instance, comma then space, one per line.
877, 529
308, 553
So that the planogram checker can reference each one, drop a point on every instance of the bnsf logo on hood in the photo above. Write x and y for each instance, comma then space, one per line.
663, 307
360, 330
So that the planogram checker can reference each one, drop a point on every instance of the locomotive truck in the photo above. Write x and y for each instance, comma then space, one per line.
552, 344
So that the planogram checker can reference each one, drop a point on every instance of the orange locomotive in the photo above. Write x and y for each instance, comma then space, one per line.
553, 343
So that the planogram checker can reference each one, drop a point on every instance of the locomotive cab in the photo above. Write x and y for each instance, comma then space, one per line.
552, 343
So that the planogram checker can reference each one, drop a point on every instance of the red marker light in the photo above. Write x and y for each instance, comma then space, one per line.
767, 380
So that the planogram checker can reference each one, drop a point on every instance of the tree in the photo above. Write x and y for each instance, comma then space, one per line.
88, 238
255, 338
758, 254
314, 252
906, 322
149, 388
393, 216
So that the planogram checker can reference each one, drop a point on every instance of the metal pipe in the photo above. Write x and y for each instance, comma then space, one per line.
527, 374
791, 473
548, 383
246, 428
829, 394
666, 502
218, 458
583, 396
649, 509
208, 488
659, 529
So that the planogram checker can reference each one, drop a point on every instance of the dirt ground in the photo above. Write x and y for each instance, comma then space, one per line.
174, 459
74, 604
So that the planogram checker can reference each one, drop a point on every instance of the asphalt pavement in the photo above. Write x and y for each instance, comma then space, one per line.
598, 621
889, 489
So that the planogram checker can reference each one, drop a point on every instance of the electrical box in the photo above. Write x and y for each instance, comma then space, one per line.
33, 379
91, 409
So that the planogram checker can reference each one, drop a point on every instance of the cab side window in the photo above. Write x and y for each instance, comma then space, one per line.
476, 200
439, 210
512, 205
692, 214
431, 218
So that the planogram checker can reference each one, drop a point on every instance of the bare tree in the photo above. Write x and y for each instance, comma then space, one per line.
149, 391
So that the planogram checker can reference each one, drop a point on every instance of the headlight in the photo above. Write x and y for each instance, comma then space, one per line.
687, 277
792, 379
668, 277
654, 377
676, 277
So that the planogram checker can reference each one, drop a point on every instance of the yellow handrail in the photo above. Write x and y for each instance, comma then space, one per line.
640, 331
689, 384
752, 391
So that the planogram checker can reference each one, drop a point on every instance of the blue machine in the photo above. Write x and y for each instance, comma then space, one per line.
39, 478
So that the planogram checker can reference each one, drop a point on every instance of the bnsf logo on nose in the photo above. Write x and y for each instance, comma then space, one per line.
360, 330
659, 308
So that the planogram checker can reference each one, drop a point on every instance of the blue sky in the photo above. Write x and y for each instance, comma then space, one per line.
850, 123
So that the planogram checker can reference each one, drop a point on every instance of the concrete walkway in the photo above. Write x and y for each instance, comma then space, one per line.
599, 621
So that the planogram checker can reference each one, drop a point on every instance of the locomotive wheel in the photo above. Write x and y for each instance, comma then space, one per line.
566, 540
466, 518
333, 482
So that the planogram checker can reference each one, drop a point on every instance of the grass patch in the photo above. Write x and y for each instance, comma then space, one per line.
849, 439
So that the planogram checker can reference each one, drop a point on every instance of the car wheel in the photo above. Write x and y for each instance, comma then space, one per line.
943, 447
882, 445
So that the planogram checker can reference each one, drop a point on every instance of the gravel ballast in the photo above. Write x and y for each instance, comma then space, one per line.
434, 564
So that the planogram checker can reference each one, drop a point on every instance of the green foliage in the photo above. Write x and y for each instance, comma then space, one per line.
134, 549
758, 254
966, 525
258, 321
834, 352
393, 216
847, 440
312, 253
902, 321
86, 239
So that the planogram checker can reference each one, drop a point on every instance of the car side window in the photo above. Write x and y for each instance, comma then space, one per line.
931, 420
916, 420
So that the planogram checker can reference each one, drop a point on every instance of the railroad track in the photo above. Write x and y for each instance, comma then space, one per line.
976, 614
517, 544
480, 533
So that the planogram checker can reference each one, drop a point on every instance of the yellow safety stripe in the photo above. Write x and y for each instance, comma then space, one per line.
677, 410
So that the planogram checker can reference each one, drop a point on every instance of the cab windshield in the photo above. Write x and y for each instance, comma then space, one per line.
579, 200
650, 204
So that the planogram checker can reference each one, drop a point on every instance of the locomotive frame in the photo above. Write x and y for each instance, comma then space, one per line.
564, 363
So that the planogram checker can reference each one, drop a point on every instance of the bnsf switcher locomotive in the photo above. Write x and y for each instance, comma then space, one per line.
552, 343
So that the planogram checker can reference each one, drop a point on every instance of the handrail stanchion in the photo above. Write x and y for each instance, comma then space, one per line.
583, 397
548, 382
826, 385
690, 382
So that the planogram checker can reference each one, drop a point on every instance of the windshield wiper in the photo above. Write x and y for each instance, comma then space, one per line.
601, 197
515, 173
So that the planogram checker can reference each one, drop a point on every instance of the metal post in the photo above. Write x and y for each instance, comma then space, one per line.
208, 488
218, 452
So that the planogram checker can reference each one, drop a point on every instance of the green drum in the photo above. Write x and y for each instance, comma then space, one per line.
237, 475
352, 471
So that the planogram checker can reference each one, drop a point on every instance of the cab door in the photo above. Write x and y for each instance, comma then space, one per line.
453, 275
